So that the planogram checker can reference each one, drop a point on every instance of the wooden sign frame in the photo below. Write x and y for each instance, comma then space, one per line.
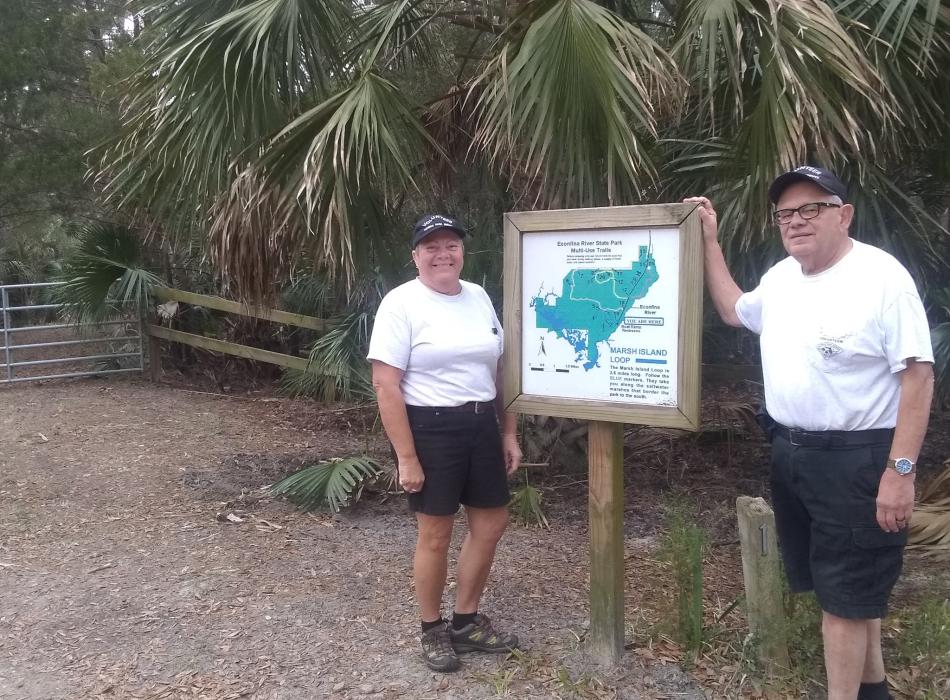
684, 218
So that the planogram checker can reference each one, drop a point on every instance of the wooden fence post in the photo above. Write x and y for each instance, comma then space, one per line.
605, 513
762, 573
154, 356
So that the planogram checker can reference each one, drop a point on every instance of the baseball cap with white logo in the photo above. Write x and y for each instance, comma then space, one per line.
432, 222
825, 179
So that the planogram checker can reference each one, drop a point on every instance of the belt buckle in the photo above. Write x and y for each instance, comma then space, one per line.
480, 407
792, 439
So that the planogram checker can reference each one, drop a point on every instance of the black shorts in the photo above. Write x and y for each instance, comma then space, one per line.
825, 506
462, 459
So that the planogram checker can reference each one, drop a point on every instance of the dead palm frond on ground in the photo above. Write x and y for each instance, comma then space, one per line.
929, 529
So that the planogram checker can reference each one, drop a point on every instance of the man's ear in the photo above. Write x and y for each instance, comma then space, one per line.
847, 215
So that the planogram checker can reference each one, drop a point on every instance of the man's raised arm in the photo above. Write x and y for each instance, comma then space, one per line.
722, 287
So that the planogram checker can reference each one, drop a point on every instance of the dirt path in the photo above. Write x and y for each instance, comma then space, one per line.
121, 576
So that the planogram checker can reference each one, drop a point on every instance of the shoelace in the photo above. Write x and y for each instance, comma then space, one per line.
442, 642
484, 624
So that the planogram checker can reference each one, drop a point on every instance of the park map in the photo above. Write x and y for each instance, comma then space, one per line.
593, 304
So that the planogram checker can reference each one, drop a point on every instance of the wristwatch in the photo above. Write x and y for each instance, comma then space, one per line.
902, 466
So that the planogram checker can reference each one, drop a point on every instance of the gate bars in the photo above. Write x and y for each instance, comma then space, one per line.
9, 363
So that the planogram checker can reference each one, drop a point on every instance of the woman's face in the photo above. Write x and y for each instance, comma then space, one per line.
438, 258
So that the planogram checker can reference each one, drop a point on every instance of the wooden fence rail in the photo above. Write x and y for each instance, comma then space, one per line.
157, 333
236, 307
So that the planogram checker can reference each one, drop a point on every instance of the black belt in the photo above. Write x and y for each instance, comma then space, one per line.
470, 407
832, 438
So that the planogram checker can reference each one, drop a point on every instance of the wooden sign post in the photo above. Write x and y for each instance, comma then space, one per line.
603, 320
605, 514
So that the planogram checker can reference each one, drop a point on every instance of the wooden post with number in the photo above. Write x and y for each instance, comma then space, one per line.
605, 509
762, 572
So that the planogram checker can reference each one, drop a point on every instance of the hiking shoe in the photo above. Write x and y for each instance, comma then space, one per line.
437, 650
481, 636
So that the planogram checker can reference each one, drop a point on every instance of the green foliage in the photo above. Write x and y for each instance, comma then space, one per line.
314, 127
574, 52
31, 254
925, 638
682, 548
104, 275
50, 110
803, 627
337, 368
526, 506
335, 483
940, 336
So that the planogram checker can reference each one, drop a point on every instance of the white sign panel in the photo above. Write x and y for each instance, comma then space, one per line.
599, 312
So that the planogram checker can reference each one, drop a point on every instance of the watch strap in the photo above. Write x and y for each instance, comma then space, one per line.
892, 464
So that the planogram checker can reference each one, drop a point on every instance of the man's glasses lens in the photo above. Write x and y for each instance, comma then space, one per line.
806, 211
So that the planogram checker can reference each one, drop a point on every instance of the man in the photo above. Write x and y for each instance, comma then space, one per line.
847, 363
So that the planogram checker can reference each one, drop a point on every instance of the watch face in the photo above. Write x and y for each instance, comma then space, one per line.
904, 466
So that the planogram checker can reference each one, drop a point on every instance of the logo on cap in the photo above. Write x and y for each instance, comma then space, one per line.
431, 222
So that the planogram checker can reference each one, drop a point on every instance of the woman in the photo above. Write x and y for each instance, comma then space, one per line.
436, 355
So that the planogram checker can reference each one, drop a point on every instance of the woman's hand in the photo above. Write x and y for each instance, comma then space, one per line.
411, 476
512, 451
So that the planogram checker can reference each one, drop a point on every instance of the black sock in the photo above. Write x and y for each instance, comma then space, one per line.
874, 691
459, 620
426, 626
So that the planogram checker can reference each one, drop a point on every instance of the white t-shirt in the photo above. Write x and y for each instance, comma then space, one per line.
447, 345
831, 342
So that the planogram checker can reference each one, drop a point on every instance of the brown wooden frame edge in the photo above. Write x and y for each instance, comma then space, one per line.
685, 217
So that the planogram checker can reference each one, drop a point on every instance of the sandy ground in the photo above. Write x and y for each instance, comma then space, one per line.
121, 575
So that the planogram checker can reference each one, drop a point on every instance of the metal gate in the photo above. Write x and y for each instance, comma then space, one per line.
23, 335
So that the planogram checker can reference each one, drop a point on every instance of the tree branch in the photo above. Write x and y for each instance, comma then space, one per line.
473, 21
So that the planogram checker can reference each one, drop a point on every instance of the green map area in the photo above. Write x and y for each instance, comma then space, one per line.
592, 305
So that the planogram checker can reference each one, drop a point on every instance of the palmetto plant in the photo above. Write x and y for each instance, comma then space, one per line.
333, 484
275, 120
526, 505
304, 133
104, 275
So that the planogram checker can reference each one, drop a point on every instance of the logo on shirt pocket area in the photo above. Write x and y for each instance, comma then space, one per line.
828, 348
832, 349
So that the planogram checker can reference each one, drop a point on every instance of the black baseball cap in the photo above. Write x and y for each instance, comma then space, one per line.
825, 179
433, 222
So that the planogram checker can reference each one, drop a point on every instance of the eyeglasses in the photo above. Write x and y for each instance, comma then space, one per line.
782, 217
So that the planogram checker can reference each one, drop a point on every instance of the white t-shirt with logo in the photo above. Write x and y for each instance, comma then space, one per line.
831, 342
447, 345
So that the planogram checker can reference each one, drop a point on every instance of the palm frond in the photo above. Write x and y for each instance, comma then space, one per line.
914, 27
221, 77
783, 83
256, 232
365, 138
104, 274
940, 338
566, 105
393, 31
337, 368
526, 507
886, 215
309, 294
334, 484
929, 529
